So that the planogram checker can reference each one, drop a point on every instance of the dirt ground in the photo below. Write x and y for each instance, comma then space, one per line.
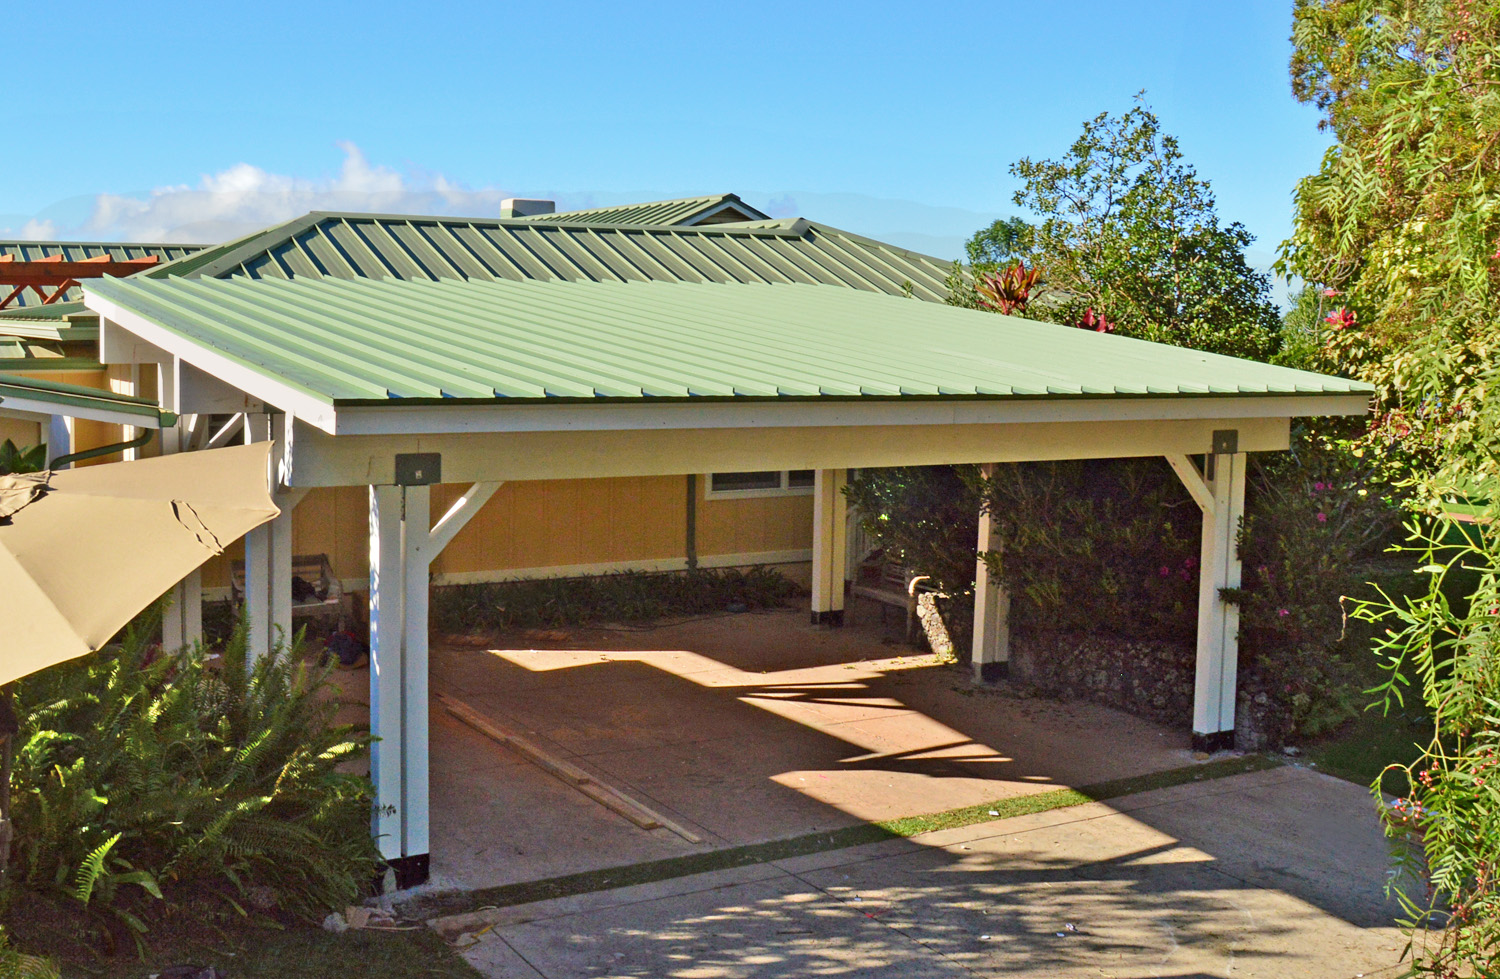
740, 728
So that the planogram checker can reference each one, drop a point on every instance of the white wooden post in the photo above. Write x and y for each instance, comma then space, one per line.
1220, 492
279, 556
830, 546
258, 565
403, 544
59, 437
387, 596
991, 653
417, 561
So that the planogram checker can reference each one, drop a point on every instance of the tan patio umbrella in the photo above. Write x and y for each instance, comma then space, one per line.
82, 552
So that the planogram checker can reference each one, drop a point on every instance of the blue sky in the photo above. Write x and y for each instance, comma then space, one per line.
896, 120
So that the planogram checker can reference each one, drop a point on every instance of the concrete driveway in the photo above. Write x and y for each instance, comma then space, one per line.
742, 729
1276, 874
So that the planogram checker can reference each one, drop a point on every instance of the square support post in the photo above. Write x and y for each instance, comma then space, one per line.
260, 637
403, 543
416, 560
830, 546
59, 437
991, 652
387, 692
1214, 689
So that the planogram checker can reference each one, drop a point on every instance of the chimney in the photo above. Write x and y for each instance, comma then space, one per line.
525, 207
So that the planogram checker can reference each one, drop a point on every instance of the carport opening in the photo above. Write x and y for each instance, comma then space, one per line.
740, 728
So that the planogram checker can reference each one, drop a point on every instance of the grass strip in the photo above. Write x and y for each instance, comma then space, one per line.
747, 855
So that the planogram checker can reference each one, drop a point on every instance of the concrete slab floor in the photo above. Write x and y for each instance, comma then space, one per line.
742, 728
1198, 880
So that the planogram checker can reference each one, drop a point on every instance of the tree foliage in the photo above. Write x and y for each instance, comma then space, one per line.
1129, 231
1401, 223
1001, 244
1399, 230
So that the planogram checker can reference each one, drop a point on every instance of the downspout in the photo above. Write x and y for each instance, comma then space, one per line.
692, 522
104, 450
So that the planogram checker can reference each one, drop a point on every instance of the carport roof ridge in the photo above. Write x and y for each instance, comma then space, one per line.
385, 342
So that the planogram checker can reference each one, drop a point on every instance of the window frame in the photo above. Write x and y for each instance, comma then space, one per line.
785, 489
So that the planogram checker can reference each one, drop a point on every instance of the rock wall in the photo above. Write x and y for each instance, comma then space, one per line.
1150, 678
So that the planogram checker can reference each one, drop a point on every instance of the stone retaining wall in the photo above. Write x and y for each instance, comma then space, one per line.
1146, 677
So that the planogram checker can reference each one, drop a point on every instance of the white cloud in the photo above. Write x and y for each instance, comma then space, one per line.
35, 230
245, 197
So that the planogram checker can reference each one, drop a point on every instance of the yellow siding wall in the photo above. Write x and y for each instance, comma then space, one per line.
86, 434
767, 523
553, 523
24, 434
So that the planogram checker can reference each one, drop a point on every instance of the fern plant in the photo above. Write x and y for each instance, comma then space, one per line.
145, 782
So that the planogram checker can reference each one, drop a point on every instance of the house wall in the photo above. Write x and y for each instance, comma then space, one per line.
23, 433
561, 527
87, 434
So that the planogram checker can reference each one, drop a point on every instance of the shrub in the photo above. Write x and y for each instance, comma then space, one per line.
633, 596
1446, 653
145, 783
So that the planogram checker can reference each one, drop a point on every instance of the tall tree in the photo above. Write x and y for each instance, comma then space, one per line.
1129, 234
1400, 227
1402, 220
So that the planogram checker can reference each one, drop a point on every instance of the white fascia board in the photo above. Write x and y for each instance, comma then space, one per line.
29, 406
396, 419
262, 387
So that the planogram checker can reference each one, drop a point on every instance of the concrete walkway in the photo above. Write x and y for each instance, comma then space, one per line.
1275, 874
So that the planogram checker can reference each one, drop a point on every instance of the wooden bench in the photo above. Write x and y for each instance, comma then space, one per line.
896, 586
326, 601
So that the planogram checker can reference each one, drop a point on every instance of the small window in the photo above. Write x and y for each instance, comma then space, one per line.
725, 486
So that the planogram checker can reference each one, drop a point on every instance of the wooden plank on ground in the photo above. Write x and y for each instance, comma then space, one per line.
606, 795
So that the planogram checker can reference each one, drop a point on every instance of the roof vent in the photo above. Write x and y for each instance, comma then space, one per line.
525, 207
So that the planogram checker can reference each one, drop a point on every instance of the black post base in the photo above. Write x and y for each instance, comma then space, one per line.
1209, 743
411, 871
990, 672
834, 618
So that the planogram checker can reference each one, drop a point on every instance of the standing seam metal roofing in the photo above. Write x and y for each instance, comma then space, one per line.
385, 342
350, 246
679, 211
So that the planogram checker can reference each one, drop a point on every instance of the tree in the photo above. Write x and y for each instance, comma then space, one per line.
1130, 232
1399, 227
1001, 244
1401, 223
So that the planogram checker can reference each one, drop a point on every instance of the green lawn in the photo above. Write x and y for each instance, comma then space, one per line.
1362, 748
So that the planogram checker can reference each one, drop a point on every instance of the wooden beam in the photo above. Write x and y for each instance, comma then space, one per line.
458, 516
1193, 481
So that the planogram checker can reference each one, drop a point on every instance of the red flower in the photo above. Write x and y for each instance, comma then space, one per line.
1340, 319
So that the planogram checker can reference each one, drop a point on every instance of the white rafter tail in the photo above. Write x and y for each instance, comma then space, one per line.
1193, 480
459, 514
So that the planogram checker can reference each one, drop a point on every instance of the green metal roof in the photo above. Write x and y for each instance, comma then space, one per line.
354, 246
385, 342
14, 388
684, 211
73, 251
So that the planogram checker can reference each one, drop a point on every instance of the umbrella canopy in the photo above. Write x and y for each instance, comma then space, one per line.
82, 552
